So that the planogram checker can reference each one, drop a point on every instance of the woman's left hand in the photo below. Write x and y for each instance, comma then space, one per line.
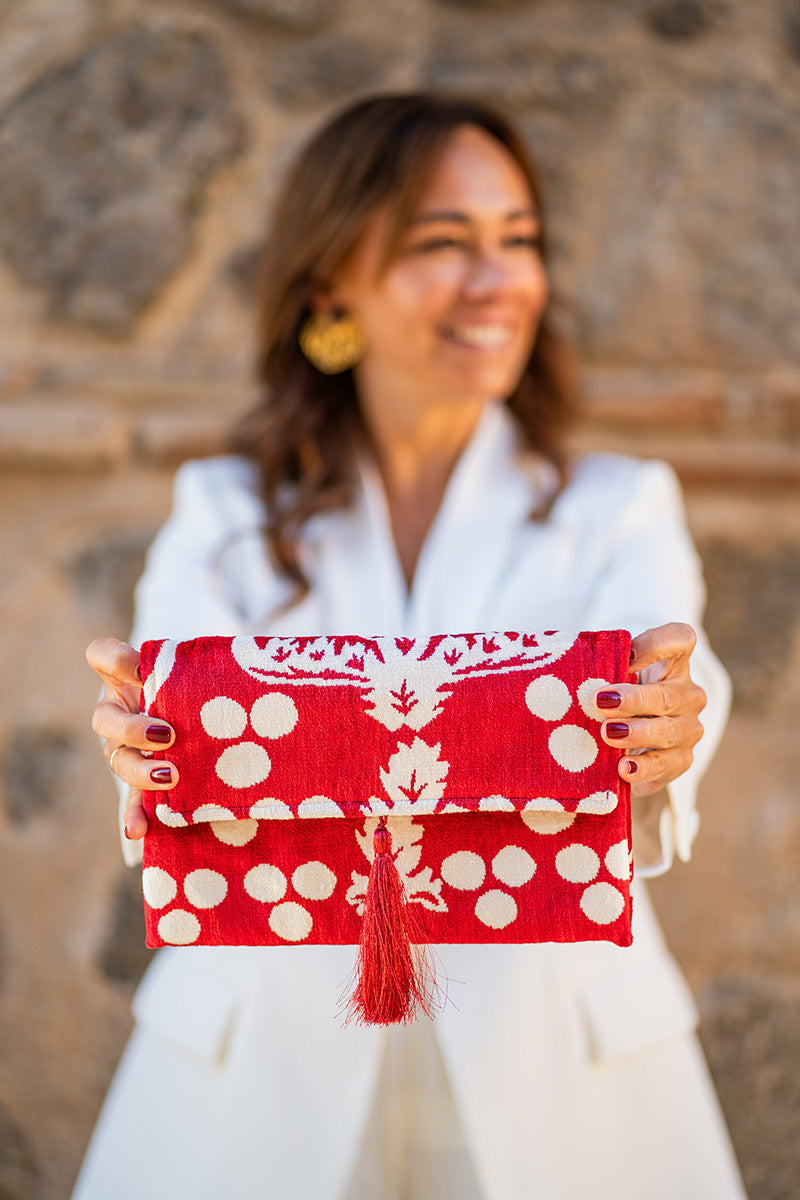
659, 717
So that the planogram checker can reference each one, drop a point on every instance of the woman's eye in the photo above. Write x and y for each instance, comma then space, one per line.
532, 241
430, 245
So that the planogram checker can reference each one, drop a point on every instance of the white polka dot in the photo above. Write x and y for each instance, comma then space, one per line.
314, 881
234, 833
223, 718
290, 921
547, 822
577, 863
213, 812
573, 748
273, 715
513, 866
548, 697
158, 886
272, 808
265, 883
496, 909
464, 870
598, 803
167, 817
204, 888
318, 806
602, 903
496, 804
243, 765
179, 928
586, 694
618, 861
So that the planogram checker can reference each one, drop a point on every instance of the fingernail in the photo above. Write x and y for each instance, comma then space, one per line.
127, 835
608, 699
158, 733
161, 775
617, 729
633, 767
138, 671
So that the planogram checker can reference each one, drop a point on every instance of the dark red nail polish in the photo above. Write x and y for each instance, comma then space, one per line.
161, 775
617, 729
608, 699
632, 767
158, 733
138, 671
127, 835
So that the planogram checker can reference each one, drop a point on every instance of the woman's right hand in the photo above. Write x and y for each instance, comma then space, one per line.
128, 735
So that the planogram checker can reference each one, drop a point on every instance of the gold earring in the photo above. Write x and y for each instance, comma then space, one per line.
331, 342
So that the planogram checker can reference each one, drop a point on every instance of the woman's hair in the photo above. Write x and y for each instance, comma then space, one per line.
381, 151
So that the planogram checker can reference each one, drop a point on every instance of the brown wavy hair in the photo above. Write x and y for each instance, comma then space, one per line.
303, 431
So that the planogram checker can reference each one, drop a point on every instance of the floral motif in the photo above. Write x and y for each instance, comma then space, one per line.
420, 885
415, 773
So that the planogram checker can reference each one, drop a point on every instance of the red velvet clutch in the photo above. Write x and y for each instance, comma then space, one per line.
466, 771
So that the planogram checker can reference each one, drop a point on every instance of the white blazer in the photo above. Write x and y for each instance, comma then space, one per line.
573, 1069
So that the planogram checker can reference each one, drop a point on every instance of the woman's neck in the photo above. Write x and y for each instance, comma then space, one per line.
416, 454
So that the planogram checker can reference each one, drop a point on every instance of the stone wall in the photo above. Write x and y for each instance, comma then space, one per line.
139, 148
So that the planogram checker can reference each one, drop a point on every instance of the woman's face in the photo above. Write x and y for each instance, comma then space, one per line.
454, 316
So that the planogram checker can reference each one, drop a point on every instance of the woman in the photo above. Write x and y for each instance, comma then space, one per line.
405, 474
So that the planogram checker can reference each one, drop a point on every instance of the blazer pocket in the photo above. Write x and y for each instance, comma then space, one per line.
189, 1002
637, 1009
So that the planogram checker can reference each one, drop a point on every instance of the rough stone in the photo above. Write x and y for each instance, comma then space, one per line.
318, 71
124, 957
19, 1172
295, 15
104, 574
751, 1035
524, 75
34, 766
694, 231
41, 434
102, 162
681, 20
242, 269
479, 3
752, 619
791, 20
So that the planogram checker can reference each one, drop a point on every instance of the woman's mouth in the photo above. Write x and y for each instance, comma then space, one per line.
481, 337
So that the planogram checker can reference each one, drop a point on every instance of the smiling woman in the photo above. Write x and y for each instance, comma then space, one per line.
404, 473
417, 221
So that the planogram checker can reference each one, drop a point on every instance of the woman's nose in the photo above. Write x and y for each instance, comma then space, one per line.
488, 272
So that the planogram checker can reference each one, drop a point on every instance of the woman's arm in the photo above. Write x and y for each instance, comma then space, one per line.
652, 581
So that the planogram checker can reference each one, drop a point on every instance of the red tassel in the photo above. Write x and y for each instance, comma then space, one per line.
394, 978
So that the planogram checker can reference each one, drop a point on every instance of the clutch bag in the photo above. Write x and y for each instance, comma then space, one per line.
347, 789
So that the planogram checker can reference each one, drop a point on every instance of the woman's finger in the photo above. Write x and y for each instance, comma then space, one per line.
135, 817
654, 769
116, 661
657, 733
112, 721
662, 699
117, 664
134, 768
671, 644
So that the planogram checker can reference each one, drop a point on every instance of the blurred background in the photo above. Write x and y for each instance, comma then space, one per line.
140, 144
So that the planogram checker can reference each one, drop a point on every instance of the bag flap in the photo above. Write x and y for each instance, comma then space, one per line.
349, 726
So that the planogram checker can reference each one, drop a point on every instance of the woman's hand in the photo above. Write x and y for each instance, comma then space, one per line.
658, 717
127, 735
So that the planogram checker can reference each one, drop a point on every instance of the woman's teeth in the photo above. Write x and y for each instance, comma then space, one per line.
488, 337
